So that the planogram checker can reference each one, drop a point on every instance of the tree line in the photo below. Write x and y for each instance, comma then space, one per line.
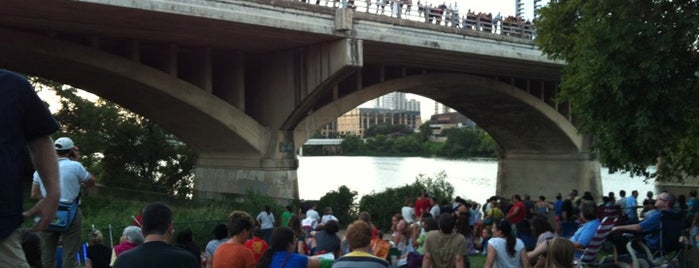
400, 140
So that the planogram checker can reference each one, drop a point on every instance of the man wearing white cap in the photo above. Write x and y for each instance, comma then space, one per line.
72, 176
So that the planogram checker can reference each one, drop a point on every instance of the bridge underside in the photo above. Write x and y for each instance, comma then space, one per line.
252, 87
540, 151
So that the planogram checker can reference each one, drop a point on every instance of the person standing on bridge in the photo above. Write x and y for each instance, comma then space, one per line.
73, 175
27, 123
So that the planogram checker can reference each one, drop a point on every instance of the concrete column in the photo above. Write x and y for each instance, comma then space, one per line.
547, 174
226, 176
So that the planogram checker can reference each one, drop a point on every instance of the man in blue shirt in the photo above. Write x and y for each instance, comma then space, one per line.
583, 236
651, 223
631, 204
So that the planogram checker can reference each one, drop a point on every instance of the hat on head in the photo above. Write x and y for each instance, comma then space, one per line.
63, 144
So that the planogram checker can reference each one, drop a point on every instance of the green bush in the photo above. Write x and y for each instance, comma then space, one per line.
115, 207
342, 203
382, 206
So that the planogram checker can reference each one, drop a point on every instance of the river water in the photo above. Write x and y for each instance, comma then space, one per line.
472, 179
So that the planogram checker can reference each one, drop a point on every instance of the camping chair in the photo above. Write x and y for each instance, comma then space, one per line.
589, 256
671, 228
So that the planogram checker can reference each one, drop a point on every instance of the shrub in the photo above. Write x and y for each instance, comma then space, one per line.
385, 204
342, 202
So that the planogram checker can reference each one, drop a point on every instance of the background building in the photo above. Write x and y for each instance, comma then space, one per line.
392, 108
358, 120
396, 101
441, 122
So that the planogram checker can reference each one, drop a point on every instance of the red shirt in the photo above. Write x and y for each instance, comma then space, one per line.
257, 246
421, 204
519, 217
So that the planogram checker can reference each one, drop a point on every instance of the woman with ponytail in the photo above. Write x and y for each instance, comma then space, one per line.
266, 221
280, 253
504, 249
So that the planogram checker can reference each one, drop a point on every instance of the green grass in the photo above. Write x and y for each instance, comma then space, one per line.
477, 261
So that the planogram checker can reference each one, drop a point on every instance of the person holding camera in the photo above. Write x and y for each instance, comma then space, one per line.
72, 176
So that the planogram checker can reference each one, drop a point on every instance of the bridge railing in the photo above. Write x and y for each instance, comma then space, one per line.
439, 15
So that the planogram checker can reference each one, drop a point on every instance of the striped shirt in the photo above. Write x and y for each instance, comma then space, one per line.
360, 259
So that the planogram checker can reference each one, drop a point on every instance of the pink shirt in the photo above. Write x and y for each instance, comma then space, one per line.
123, 247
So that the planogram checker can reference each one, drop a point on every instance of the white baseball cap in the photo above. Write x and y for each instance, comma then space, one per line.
63, 143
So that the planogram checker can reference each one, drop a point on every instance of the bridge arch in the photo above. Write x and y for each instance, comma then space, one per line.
177, 105
536, 126
541, 151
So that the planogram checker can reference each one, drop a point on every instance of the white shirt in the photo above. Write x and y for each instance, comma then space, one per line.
327, 218
72, 174
266, 220
502, 260
311, 213
309, 223
435, 211
408, 214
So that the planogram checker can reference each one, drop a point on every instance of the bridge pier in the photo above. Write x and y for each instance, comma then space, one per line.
548, 174
220, 176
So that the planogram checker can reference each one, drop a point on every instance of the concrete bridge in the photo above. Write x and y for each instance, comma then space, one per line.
245, 82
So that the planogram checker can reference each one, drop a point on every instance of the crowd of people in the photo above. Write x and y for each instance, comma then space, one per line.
440, 14
515, 232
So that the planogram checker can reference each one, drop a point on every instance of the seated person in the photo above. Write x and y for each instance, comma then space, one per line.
651, 223
560, 254
582, 237
359, 240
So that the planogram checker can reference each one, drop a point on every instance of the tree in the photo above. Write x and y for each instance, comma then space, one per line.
352, 144
425, 131
387, 129
380, 144
123, 148
407, 144
342, 203
632, 79
463, 142
382, 206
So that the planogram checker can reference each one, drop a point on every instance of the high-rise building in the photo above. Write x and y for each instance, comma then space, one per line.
413, 105
397, 101
519, 8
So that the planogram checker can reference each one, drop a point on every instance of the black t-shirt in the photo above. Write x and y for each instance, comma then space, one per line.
327, 243
567, 207
100, 255
156, 254
23, 118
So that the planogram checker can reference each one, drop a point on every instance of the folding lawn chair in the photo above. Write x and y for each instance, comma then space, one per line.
589, 256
